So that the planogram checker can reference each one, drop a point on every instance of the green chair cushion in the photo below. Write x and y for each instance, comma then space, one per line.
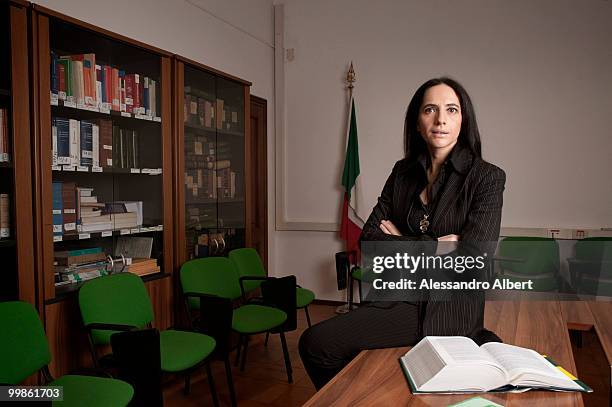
93, 391
181, 350
250, 319
303, 297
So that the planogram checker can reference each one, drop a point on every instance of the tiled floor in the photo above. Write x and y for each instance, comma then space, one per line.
264, 381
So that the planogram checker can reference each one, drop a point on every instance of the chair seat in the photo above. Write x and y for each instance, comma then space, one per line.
250, 319
181, 350
303, 297
93, 391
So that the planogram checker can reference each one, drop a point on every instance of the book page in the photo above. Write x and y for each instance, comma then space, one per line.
459, 349
423, 362
526, 367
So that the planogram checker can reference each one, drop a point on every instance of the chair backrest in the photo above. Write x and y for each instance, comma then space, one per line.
23, 345
211, 275
280, 293
538, 254
249, 264
115, 299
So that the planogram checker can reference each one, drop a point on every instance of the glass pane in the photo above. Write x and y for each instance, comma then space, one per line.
200, 163
230, 162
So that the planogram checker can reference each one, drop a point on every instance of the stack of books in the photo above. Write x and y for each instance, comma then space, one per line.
82, 143
72, 266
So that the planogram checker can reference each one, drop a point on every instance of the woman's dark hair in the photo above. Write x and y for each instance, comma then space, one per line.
469, 136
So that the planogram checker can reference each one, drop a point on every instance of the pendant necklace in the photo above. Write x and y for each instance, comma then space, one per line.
424, 223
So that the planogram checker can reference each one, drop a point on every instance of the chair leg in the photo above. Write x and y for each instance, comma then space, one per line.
187, 388
267, 337
350, 292
230, 381
244, 353
238, 351
307, 316
287, 359
211, 384
360, 292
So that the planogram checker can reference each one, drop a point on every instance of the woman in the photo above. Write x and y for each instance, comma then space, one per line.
442, 190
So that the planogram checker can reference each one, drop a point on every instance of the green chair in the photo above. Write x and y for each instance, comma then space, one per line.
523, 258
24, 350
591, 268
120, 302
217, 277
249, 264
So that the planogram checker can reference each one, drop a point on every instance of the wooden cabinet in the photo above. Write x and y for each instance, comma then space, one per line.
16, 226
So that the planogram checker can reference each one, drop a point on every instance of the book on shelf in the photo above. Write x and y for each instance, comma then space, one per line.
77, 257
89, 83
5, 216
134, 247
5, 155
455, 364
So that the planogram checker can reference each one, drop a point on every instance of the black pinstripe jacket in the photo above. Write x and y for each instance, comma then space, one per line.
469, 204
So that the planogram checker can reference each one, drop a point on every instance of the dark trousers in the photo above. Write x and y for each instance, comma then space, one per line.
328, 346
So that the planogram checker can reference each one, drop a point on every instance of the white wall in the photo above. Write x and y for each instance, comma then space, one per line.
538, 73
235, 37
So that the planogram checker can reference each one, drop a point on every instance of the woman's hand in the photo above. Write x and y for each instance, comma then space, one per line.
449, 238
389, 228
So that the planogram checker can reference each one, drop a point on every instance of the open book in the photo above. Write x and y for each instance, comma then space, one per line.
455, 364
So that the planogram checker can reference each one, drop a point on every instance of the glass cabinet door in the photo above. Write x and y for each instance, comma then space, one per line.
213, 164
107, 151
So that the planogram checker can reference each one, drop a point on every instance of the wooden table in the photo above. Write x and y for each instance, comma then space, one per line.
374, 377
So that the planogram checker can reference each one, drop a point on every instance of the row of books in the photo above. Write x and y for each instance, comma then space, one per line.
80, 79
5, 155
72, 266
5, 216
94, 143
210, 114
77, 210
202, 184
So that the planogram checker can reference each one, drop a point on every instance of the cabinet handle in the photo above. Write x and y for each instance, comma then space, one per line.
223, 241
216, 246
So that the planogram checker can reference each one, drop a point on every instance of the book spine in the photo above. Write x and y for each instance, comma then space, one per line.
145, 101
106, 141
136, 93
63, 141
54, 80
75, 142
86, 156
5, 217
153, 97
69, 203
135, 152
129, 93
54, 141
77, 82
115, 90
98, 100
115, 150
95, 145
58, 220
122, 90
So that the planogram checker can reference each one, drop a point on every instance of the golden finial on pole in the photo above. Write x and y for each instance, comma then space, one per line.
350, 78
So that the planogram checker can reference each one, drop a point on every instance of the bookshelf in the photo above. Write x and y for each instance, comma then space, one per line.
212, 198
103, 169
16, 227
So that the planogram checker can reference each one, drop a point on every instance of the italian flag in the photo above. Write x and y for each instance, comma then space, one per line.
351, 221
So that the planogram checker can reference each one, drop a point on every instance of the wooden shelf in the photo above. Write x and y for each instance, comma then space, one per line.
211, 131
106, 170
108, 233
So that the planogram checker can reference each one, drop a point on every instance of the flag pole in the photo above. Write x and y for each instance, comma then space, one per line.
350, 80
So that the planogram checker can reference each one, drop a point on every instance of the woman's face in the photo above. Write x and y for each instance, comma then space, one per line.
440, 117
